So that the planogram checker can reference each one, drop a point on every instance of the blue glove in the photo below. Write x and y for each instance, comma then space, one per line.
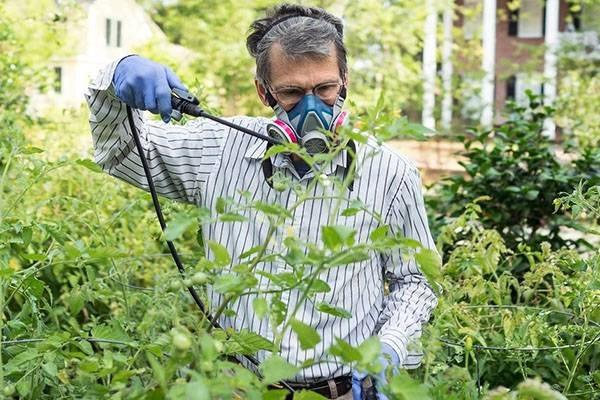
388, 357
146, 85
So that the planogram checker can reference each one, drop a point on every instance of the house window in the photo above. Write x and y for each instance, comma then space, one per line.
118, 33
511, 84
513, 22
575, 16
57, 79
524, 82
108, 31
530, 19
113, 32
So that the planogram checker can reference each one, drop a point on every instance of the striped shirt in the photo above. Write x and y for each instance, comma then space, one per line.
201, 161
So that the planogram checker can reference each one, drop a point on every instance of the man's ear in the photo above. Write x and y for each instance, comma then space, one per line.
262, 92
346, 80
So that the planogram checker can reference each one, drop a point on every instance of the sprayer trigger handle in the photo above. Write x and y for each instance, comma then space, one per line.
187, 96
176, 115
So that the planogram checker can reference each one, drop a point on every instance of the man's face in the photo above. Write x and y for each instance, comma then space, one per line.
305, 74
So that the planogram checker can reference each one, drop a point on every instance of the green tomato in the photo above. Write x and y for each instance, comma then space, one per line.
175, 285
200, 278
8, 390
219, 346
206, 366
468, 344
187, 282
280, 186
181, 341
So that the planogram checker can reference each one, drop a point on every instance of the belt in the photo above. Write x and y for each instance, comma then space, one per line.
330, 388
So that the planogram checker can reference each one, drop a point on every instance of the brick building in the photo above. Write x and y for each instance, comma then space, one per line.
517, 42
513, 46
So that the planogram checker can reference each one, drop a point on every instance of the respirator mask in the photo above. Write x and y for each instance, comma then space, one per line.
307, 120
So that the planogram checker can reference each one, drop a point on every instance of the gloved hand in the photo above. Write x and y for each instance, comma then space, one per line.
388, 357
146, 85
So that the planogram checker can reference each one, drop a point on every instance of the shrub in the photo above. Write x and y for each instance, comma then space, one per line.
515, 167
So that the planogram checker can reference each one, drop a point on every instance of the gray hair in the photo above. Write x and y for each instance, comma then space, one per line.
302, 32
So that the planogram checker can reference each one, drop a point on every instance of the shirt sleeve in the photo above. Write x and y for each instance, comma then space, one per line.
411, 300
180, 157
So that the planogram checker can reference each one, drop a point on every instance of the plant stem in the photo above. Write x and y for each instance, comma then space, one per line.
1, 330
257, 259
2, 180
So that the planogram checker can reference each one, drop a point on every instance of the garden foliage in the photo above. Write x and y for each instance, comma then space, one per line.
92, 306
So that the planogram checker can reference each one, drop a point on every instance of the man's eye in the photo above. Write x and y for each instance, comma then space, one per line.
327, 89
291, 93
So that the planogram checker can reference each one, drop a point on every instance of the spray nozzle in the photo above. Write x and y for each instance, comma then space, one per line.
184, 102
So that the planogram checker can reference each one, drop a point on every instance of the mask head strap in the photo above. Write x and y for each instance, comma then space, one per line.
270, 99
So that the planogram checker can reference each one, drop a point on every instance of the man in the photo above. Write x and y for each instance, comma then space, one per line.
301, 72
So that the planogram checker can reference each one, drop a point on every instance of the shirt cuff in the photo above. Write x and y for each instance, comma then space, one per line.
394, 339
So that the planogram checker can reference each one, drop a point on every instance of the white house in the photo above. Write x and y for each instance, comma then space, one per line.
108, 30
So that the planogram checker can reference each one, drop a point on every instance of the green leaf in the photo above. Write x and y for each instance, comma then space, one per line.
370, 350
101, 252
379, 233
260, 306
26, 235
250, 251
532, 194
222, 257
319, 286
277, 394
15, 364
409, 243
35, 256
350, 211
402, 386
271, 209
333, 310
85, 346
247, 342
157, 369
34, 286
354, 208
308, 395
337, 236
114, 331
430, 264
220, 206
197, 391
349, 257
279, 310
31, 150
345, 351
89, 164
50, 369
307, 335
23, 388
177, 226
76, 302
229, 283
232, 217
275, 369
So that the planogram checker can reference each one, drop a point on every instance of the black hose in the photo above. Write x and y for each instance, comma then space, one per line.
163, 225
161, 218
